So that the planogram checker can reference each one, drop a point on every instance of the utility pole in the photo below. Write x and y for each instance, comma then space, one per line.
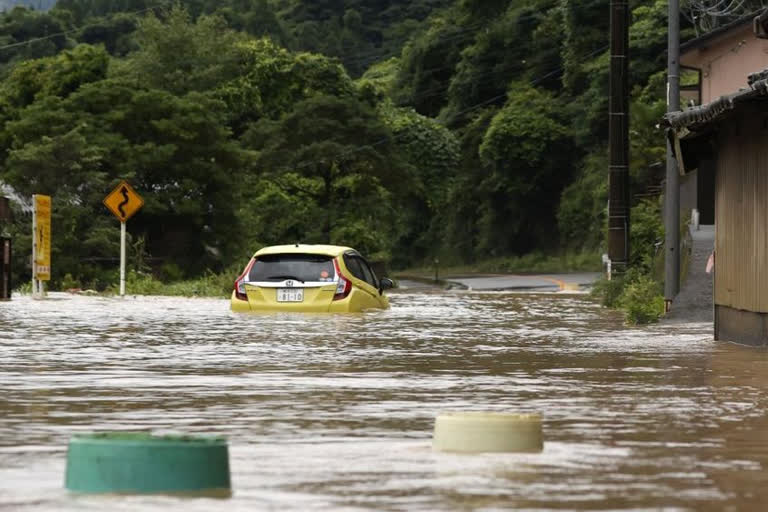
618, 135
672, 192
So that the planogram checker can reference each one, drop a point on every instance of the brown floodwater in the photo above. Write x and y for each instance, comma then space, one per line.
336, 412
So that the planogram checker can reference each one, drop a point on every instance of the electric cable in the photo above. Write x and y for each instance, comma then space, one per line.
70, 31
340, 156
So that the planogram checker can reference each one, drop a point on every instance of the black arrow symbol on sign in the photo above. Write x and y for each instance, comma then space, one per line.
126, 199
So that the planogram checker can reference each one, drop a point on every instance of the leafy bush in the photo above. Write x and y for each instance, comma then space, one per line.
68, 283
646, 230
636, 294
24, 288
641, 300
608, 291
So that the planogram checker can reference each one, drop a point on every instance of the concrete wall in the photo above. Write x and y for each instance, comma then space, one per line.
726, 61
743, 327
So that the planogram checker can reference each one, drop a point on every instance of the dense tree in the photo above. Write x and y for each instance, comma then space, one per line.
432, 152
334, 156
359, 32
27, 34
428, 63
526, 151
40, 5
477, 128
180, 56
176, 151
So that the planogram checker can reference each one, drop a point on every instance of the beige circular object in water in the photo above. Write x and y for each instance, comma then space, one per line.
478, 432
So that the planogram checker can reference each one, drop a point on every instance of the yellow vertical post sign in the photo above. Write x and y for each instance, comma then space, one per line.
41, 243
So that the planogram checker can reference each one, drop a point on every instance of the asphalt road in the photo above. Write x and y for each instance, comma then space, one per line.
694, 302
543, 282
498, 282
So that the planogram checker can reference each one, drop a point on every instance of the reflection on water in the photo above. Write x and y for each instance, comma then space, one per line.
336, 412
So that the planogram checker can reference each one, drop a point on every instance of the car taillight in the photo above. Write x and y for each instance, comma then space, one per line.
343, 285
240, 281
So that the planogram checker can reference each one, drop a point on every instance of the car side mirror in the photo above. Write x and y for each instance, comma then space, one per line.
386, 284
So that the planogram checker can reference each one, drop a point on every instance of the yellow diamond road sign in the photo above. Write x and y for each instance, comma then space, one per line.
123, 201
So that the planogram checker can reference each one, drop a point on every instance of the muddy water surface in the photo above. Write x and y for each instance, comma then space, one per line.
336, 412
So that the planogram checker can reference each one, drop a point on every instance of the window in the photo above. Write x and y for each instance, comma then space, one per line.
300, 267
360, 269
370, 277
352, 262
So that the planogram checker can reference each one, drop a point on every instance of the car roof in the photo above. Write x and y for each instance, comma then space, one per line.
326, 250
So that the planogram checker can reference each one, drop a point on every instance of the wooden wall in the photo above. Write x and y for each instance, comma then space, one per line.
741, 213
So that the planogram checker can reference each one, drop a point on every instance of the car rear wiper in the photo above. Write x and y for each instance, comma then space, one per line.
281, 278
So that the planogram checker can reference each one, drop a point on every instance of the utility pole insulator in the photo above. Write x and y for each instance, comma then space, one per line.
760, 25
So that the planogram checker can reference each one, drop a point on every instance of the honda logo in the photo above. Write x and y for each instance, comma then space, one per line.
289, 284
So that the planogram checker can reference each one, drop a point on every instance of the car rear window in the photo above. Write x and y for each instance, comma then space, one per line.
299, 267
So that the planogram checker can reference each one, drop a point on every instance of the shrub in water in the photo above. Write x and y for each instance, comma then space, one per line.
642, 300
608, 292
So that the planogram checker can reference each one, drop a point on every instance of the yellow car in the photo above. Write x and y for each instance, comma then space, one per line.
309, 278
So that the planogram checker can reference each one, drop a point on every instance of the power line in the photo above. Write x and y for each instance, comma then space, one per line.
307, 163
70, 31
424, 94
462, 33
374, 56
371, 57
532, 83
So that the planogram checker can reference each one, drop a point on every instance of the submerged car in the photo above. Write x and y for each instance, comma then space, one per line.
309, 278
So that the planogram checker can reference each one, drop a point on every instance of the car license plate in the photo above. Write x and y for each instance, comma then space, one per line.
290, 295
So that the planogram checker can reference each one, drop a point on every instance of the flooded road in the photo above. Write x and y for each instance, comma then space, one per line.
336, 412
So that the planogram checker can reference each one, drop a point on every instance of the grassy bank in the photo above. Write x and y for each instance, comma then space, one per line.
208, 285
139, 283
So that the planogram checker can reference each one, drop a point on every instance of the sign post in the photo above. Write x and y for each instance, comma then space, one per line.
123, 202
122, 258
41, 244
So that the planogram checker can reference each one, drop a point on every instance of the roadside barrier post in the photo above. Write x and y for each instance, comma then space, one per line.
5, 250
5, 268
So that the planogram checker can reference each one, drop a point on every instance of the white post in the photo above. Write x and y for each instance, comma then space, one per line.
122, 259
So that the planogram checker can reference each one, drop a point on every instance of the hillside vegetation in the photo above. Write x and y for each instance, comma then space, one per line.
40, 5
463, 130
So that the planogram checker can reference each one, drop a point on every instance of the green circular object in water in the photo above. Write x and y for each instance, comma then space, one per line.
138, 463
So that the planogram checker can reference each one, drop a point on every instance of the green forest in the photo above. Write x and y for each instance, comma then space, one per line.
463, 130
